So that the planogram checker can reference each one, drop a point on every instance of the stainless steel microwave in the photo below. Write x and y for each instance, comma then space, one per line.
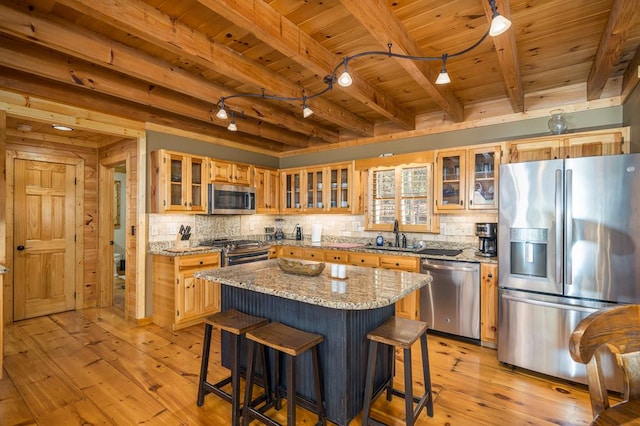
231, 199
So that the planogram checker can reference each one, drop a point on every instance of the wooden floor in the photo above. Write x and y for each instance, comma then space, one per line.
92, 367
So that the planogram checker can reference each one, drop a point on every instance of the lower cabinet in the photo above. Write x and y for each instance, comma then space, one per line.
179, 298
489, 304
408, 306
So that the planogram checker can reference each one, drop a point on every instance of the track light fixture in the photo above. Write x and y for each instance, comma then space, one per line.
499, 25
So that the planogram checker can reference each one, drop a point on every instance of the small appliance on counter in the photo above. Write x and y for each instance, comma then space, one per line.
298, 232
488, 235
279, 234
268, 233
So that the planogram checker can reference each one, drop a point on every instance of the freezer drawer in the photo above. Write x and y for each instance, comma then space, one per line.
451, 302
534, 332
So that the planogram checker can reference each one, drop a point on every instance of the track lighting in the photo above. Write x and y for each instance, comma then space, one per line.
499, 24
443, 77
345, 79
232, 126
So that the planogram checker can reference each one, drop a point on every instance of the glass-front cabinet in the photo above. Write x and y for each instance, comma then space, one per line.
340, 189
179, 183
292, 187
315, 189
466, 179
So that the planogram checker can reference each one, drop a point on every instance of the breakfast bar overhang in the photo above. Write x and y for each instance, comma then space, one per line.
342, 310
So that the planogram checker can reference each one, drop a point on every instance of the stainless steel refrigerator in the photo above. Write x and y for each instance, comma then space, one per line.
568, 244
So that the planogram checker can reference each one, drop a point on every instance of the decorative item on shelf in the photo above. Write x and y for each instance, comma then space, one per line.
557, 123
499, 25
299, 268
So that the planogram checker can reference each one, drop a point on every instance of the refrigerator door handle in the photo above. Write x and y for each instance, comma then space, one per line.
550, 304
568, 241
559, 225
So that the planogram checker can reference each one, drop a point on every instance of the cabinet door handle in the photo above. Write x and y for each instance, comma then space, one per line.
201, 262
461, 202
490, 275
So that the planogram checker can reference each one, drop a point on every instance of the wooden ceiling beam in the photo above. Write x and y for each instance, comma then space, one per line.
149, 24
507, 52
274, 29
631, 76
30, 85
91, 47
622, 16
79, 74
377, 17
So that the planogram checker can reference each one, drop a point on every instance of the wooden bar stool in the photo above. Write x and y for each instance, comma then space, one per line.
236, 324
398, 332
291, 342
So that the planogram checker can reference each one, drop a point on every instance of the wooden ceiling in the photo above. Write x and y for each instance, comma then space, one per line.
168, 62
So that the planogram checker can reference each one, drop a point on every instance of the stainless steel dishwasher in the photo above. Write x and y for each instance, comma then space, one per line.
451, 302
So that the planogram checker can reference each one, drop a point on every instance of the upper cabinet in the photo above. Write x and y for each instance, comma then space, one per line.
325, 189
267, 184
587, 144
178, 182
467, 179
228, 172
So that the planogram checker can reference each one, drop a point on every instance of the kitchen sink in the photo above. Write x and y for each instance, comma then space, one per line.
439, 252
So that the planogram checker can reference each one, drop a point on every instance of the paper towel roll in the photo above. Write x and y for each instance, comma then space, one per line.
316, 233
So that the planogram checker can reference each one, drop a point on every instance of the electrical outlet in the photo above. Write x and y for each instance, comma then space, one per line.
173, 228
154, 229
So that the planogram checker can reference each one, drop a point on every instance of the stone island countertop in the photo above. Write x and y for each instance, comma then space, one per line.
364, 288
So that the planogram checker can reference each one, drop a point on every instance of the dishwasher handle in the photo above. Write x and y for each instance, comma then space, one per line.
426, 265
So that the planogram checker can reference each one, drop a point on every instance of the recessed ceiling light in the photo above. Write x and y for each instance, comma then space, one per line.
61, 127
24, 127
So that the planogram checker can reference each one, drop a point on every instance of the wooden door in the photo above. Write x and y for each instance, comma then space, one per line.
44, 256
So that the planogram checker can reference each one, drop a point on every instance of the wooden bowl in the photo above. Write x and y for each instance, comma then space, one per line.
299, 268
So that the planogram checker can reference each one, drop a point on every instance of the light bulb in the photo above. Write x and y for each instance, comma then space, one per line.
499, 24
232, 126
306, 111
443, 77
345, 79
222, 114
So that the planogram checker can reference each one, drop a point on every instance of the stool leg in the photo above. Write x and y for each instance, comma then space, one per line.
246, 413
265, 375
368, 389
291, 390
235, 380
319, 385
278, 403
408, 388
426, 373
391, 358
204, 366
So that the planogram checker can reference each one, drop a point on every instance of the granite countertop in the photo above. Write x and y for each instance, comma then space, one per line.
364, 288
3, 269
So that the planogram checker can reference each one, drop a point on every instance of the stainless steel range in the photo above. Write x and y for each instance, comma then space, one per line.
236, 252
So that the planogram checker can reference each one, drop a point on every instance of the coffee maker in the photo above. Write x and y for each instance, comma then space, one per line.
488, 234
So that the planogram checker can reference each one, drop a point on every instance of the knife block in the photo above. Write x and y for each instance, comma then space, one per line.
180, 243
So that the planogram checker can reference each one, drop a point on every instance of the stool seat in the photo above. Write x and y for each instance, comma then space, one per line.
236, 323
401, 333
284, 338
290, 342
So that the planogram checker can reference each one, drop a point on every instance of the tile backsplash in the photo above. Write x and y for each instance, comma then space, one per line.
164, 228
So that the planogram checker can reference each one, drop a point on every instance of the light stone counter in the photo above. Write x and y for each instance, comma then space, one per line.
364, 288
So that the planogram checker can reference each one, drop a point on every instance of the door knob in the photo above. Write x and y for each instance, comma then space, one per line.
20, 247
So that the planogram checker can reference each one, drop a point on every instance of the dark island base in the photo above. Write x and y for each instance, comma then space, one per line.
343, 354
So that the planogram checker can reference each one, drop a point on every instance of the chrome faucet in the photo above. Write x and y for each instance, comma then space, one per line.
396, 232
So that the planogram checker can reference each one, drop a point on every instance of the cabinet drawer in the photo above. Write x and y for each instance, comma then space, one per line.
363, 259
295, 252
334, 256
196, 261
404, 263
314, 254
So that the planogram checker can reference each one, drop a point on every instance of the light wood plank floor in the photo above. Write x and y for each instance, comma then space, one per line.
92, 367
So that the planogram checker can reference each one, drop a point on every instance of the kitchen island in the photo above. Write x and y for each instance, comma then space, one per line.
342, 310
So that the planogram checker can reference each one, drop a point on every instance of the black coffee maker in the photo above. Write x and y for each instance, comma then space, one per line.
488, 234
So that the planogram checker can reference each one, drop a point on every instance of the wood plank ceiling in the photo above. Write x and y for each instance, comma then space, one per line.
169, 62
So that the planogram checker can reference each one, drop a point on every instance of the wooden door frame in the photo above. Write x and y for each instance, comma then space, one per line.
105, 230
78, 228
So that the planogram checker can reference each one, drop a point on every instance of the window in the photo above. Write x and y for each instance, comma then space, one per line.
403, 193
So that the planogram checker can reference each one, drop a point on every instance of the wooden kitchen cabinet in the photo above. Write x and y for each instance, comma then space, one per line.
291, 252
408, 306
314, 194
229, 172
587, 144
179, 298
178, 182
292, 185
364, 259
267, 184
489, 304
467, 179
